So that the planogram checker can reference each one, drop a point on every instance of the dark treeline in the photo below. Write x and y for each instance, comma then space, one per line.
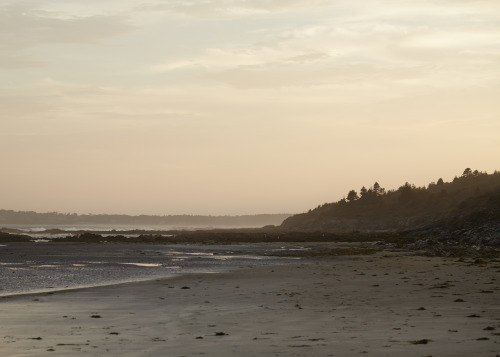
409, 206
9, 217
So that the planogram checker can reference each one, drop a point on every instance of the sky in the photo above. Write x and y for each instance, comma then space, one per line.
241, 106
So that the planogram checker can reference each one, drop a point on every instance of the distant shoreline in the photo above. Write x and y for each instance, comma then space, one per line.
54, 219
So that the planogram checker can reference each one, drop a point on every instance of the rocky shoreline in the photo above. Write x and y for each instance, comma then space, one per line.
452, 241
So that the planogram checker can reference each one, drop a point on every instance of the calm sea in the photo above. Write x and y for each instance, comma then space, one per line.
46, 266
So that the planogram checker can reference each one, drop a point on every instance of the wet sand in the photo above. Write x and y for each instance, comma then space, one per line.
387, 304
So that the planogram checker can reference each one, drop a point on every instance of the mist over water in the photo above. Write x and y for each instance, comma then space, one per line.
57, 231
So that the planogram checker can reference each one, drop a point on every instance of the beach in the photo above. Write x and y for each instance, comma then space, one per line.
383, 304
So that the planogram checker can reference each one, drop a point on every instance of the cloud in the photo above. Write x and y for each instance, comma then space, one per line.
23, 26
232, 7
18, 62
217, 58
19, 106
419, 44
294, 74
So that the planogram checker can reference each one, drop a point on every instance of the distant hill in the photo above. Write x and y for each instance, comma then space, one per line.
473, 195
9, 217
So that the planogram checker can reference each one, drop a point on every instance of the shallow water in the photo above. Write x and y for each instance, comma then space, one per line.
45, 267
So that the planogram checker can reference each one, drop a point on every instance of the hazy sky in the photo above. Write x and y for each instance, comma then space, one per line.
241, 106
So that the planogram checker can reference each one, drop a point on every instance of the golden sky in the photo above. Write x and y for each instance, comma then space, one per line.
241, 106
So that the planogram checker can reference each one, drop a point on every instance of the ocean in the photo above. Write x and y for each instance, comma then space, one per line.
28, 267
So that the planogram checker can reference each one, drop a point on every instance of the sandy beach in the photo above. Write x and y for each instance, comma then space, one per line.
387, 304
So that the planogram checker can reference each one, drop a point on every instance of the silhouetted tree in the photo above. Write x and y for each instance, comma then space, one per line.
377, 190
406, 192
352, 196
467, 172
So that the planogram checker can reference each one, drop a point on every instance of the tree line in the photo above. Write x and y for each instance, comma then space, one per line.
377, 205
